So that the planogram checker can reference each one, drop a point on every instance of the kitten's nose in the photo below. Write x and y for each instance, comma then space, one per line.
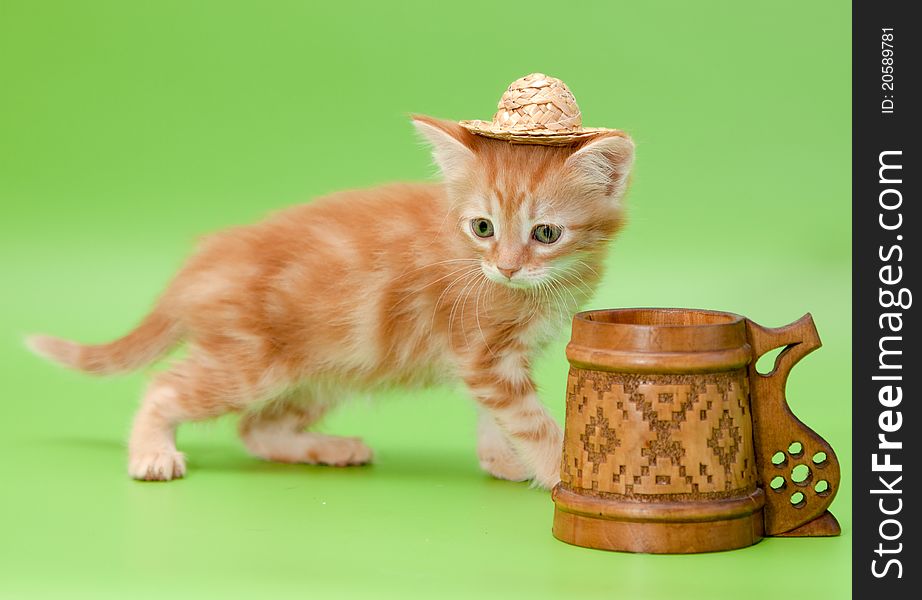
508, 271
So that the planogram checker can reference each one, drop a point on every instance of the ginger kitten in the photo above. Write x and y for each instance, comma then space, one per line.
404, 284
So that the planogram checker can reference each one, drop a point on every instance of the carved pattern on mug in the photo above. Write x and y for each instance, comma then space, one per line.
695, 445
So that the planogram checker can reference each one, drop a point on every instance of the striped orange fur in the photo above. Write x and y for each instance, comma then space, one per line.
390, 286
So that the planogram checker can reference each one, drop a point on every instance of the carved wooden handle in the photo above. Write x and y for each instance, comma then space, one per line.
797, 468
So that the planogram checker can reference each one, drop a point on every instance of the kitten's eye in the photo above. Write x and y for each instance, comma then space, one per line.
547, 234
482, 228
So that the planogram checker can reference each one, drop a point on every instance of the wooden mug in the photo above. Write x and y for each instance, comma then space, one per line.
675, 443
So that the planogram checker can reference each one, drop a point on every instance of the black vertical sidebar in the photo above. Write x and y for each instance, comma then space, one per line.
887, 372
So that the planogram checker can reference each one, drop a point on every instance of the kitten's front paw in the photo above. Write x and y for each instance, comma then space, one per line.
157, 466
548, 464
548, 479
502, 463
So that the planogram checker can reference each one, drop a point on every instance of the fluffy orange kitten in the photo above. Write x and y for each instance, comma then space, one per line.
404, 284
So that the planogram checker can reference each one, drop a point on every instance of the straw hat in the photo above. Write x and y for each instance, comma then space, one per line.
536, 109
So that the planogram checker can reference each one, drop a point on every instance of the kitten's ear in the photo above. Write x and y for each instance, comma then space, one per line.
451, 144
605, 163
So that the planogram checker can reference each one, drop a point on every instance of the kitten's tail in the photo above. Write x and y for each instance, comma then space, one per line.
156, 334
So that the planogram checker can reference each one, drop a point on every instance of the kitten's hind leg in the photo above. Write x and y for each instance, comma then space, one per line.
276, 432
195, 389
152, 453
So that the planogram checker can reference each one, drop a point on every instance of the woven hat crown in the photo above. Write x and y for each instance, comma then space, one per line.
538, 102
536, 109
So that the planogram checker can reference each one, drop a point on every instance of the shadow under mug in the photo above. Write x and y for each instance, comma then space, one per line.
675, 443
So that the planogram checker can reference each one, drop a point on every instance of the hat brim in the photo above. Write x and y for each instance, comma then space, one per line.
542, 137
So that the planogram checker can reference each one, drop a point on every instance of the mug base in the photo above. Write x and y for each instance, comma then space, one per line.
681, 531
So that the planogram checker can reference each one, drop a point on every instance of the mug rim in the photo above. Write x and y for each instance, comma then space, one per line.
688, 341
722, 318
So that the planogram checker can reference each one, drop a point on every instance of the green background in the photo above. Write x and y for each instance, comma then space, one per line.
129, 128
